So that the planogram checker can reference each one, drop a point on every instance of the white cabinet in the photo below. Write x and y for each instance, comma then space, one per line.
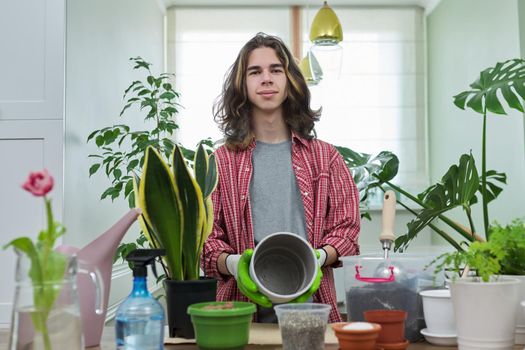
31, 121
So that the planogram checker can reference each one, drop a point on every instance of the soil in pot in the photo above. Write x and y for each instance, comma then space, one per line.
392, 325
356, 335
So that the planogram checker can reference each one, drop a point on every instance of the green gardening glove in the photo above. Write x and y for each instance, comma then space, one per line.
315, 286
246, 285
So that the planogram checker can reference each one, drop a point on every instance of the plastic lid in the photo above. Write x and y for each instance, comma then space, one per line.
214, 308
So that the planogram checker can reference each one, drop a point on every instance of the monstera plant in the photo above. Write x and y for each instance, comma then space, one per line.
463, 184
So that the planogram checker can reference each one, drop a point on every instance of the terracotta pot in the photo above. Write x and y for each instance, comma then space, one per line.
394, 346
392, 325
356, 339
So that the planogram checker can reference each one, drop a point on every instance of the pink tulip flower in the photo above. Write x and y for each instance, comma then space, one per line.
39, 183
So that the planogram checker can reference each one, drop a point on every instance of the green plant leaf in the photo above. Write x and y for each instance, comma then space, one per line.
99, 140
200, 167
108, 192
193, 213
92, 135
368, 171
93, 169
508, 242
162, 209
150, 79
167, 95
132, 165
26, 246
129, 188
493, 190
136, 82
506, 77
212, 177
140, 63
457, 188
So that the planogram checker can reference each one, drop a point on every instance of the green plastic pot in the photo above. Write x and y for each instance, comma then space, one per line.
221, 329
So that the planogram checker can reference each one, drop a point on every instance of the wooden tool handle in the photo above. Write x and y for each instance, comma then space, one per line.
389, 214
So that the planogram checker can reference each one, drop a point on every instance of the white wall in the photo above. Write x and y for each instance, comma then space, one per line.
101, 36
465, 37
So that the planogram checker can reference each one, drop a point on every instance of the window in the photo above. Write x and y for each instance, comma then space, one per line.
377, 104
378, 101
202, 45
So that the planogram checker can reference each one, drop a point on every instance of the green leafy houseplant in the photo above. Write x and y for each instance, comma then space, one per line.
504, 254
462, 184
177, 208
122, 150
47, 266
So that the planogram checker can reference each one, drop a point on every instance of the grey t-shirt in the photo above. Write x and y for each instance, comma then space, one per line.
275, 199
274, 195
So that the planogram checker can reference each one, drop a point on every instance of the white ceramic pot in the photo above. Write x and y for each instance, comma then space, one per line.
485, 313
283, 266
519, 336
438, 312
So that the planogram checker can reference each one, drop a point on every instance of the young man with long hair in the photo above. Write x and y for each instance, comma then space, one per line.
275, 176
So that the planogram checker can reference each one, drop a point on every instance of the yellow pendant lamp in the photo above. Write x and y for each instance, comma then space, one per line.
311, 69
326, 29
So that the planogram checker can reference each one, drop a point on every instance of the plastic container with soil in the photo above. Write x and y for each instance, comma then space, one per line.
222, 325
302, 326
356, 335
373, 282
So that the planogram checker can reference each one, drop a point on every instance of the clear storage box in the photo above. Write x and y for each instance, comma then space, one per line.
372, 282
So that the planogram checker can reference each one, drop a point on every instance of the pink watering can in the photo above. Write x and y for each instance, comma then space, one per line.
94, 279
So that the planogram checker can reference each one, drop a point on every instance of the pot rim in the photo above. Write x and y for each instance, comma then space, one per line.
385, 315
338, 328
241, 308
436, 293
495, 280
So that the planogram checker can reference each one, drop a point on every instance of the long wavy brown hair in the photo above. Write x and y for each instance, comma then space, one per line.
232, 111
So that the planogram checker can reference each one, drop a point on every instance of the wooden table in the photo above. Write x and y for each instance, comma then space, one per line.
108, 343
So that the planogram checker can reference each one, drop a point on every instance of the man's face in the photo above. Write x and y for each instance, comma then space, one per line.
266, 80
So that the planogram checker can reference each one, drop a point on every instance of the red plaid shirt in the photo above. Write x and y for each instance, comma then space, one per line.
331, 208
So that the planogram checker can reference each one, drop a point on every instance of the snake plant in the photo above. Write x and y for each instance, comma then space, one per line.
177, 208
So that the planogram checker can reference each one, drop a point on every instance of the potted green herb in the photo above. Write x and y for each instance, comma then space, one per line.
178, 216
492, 297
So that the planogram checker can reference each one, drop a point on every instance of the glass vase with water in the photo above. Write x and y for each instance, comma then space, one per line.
46, 316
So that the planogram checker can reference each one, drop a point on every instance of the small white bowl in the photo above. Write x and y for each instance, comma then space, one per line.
440, 339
